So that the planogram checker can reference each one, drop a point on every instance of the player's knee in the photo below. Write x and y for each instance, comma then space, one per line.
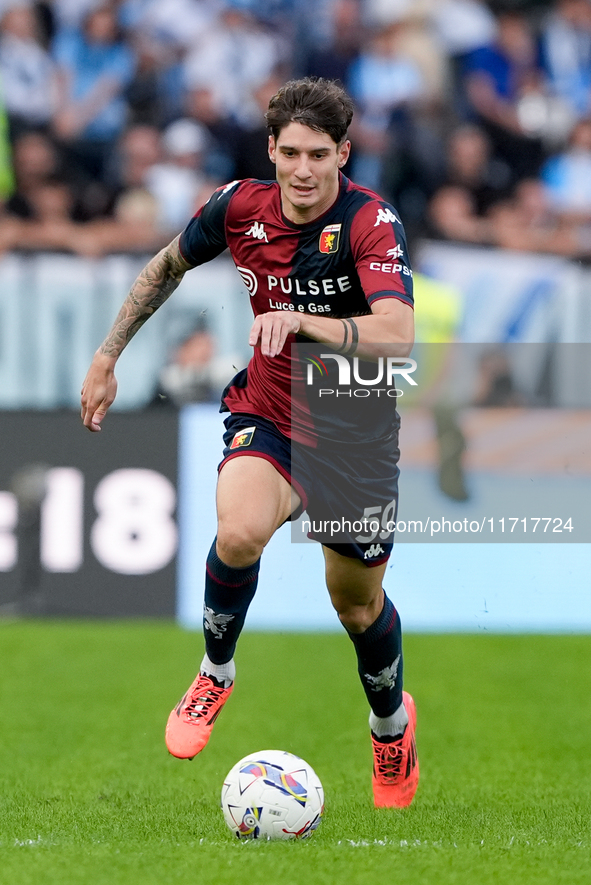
350, 615
239, 546
355, 619
355, 615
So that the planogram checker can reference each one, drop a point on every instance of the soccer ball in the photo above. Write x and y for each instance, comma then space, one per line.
272, 795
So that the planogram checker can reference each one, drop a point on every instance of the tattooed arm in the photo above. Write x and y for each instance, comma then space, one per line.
154, 285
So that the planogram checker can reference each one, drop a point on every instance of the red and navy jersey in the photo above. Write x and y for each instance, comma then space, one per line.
336, 266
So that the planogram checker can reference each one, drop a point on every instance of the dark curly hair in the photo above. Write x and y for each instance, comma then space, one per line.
315, 102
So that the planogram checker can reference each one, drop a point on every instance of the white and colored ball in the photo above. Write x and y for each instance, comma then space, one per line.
272, 795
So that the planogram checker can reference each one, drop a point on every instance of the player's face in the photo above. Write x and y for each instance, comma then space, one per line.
307, 164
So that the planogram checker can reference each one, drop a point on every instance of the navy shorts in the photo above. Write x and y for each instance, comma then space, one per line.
349, 493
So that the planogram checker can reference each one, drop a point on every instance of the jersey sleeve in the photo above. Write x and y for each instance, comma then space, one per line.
380, 252
204, 237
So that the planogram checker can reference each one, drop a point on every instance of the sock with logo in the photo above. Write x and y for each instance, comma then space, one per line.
379, 662
228, 593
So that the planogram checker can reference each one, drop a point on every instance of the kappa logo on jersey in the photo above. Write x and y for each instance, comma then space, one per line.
329, 238
374, 550
243, 438
396, 252
257, 231
249, 279
228, 187
386, 216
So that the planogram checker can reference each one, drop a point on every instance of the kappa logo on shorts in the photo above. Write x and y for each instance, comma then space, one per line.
329, 238
374, 550
243, 438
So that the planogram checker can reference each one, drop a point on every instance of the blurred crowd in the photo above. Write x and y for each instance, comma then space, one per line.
118, 119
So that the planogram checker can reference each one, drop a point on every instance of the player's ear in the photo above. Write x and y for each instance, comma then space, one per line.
343, 153
272, 148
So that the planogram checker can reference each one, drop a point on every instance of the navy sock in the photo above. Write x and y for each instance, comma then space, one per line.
379, 658
228, 593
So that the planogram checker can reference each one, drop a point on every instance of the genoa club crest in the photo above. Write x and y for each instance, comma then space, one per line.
329, 238
243, 438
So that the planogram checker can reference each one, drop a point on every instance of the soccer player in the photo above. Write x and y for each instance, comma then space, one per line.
325, 261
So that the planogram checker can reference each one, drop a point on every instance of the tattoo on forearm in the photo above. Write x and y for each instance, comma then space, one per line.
354, 334
344, 346
155, 284
349, 325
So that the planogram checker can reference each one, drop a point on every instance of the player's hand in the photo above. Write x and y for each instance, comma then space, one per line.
270, 330
98, 391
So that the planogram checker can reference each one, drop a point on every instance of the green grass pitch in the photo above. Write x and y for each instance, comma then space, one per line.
88, 793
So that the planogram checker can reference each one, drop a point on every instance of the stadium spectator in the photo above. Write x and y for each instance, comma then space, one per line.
250, 146
36, 160
452, 215
566, 53
27, 70
138, 149
384, 83
155, 94
567, 175
94, 67
202, 105
10, 232
160, 35
413, 164
134, 224
470, 165
42, 212
189, 375
52, 224
522, 221
526, 222
70, 14
497, 79
462, 25
178, 183
473, 181
414, 38
333, 57
133, 210
232, 59
176, 24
